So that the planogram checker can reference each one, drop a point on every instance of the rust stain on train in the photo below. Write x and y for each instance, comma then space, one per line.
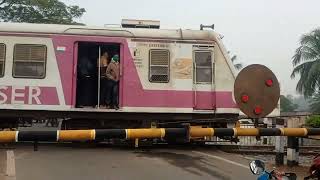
182, 68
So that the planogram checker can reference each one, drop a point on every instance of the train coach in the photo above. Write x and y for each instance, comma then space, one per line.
166, 76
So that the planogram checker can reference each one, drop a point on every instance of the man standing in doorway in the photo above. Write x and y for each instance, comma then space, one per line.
103, 63
113, 74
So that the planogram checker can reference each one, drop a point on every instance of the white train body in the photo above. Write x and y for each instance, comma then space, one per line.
162, 71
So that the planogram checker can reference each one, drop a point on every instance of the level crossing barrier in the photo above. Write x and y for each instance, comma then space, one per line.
151, 133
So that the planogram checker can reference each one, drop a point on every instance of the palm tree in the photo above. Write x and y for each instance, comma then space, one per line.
315, 103
306, 62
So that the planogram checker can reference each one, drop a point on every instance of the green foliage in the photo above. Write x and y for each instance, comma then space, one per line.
302, 102
39, 11
286, 104
313, 121
306, 62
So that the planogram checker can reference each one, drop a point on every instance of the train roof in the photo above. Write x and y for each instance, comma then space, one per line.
179, 34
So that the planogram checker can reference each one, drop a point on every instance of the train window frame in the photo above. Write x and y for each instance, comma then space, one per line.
212, 67
44, 62
149, 67
4, 59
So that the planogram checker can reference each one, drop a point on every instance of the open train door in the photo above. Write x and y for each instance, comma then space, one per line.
203, 78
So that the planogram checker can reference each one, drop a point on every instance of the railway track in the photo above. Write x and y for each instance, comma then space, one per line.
265, 149
239, 149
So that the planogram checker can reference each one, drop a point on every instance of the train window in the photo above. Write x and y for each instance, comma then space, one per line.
159, 62
29, 61
2, 58
203, 66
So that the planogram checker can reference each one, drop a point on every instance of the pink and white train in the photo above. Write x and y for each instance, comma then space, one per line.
166, 75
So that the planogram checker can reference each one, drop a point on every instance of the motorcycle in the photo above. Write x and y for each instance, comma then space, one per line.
257, 167
314, 169
314, 175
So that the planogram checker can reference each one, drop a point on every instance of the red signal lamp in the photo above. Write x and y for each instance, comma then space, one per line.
269, 82
244, 98
257, 110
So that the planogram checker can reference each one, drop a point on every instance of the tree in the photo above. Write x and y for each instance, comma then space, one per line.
302, 102
313, 121
286, 104
39, 11
315, 103
306, 62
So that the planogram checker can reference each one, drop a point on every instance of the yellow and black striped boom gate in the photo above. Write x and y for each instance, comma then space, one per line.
161, 133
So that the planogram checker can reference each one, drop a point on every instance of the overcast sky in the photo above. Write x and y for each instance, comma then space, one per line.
257, 31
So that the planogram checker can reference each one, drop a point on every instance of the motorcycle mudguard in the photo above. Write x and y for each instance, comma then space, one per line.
264, 176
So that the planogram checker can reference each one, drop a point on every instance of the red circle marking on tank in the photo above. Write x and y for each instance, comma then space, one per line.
257, 110
245, 98
269, 82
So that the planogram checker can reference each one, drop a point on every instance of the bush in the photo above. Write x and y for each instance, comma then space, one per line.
313, 121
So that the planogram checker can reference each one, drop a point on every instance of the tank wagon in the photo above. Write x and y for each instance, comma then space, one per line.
167, 76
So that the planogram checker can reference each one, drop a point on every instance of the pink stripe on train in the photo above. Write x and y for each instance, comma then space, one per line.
32, 95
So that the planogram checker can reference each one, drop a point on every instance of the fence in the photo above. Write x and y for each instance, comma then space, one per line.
264, 140
270, 140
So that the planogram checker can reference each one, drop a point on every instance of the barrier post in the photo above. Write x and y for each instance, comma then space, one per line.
265, 139
292, 152
279, 146
293, 144
256, 125
297, 150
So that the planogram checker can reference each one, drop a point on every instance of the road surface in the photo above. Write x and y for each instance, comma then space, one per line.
74, 162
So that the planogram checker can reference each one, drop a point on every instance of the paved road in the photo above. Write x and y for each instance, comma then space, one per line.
53, 162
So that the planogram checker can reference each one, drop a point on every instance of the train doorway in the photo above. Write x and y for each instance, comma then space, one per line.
203, 79
95, 87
